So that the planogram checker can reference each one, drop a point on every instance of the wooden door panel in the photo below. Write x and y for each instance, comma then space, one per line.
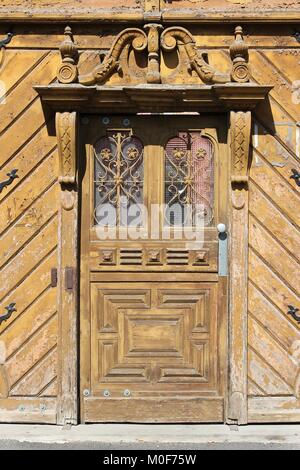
156, 340
153, 326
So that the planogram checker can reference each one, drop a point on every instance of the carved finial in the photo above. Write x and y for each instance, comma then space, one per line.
239, 56
68, 72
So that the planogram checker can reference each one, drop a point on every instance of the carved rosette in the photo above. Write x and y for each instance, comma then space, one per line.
67, 71
240, 123
66, 124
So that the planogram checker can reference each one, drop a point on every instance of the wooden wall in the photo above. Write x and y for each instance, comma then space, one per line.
29, 217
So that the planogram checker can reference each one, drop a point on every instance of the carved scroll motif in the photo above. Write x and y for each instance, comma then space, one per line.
152, 44
132, 36
66, 138
174, 36
240, 123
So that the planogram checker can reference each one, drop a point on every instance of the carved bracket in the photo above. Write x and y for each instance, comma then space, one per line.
66, 131
240, 124
154, 43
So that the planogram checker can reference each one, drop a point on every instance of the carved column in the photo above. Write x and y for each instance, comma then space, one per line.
240, 126
66, 131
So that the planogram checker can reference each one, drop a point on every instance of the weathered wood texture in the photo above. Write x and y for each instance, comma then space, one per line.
29, 215
28, 226
274, 274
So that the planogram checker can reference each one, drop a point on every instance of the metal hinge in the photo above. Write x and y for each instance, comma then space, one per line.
70, 278
54, 277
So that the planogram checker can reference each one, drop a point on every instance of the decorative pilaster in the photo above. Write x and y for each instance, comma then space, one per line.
66, 131
240, 126
66, 141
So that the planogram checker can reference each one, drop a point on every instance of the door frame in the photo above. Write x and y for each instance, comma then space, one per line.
237, 100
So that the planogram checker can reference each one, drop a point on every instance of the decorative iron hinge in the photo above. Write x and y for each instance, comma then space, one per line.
295, 176
10, 309
293, 311
12, 175
5, 41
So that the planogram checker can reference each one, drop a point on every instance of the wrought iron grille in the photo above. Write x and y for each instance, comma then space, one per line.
189, 180
118, 181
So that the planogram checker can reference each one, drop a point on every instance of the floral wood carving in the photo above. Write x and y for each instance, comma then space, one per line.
66, 124
152, 41
240, 123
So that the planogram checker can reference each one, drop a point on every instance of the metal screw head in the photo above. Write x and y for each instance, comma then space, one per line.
126, 122
221, 228
105, 120
43, 407
106, 393
127, 393
85, 120
21, 408
86, 392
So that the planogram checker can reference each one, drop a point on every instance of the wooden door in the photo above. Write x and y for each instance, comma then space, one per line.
153, 308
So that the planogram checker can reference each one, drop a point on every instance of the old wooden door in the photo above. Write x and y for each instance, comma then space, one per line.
153, 308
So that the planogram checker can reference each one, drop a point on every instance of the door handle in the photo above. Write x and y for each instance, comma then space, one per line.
223, 250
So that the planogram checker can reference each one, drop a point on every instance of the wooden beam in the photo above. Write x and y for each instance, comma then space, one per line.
66, 130
240, 129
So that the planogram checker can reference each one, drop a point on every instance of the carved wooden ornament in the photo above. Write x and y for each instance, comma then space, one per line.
153, 41
240, 123
66, 124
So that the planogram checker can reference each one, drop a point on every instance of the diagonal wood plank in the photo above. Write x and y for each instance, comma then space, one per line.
272, 286
265, 377
24, 94
29, 289
29, 322
36, 150
17, 269
274, 321
275, 187
29, 224
275, 221
28, 191
274, 355
32, 352
38, 378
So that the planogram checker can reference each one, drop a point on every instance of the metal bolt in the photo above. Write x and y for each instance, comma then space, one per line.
126, 122
43, 407
106, 393
21, 408
127, 393
106, 121
86, 393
